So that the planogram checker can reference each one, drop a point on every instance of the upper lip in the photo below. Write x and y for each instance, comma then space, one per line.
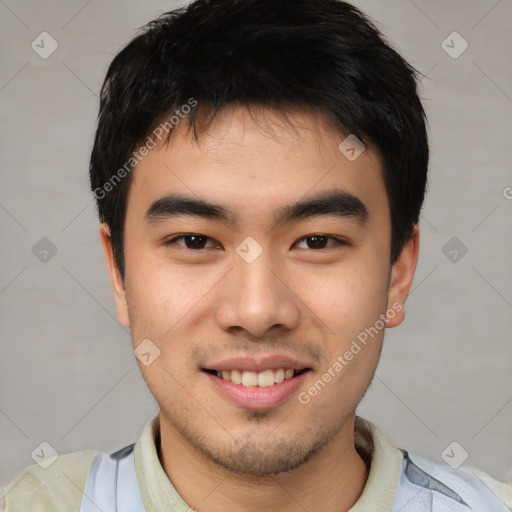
258, 364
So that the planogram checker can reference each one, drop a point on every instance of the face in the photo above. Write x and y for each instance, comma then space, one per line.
273, 252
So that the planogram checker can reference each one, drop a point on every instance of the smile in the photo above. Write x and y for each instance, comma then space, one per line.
243, 388
265, 378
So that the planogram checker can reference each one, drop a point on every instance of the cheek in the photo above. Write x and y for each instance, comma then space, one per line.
347, 297
164, 300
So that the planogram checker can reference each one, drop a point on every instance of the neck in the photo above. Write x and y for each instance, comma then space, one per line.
331, 481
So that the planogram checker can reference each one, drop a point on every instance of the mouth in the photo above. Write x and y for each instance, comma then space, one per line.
262, 390
266, 378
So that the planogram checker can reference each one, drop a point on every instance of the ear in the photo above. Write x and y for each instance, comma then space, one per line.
116, 281
402, 274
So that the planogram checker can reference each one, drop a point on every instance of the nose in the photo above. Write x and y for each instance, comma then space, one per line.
256, 298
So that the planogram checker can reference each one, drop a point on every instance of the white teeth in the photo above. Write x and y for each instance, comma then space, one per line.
279, 376
249, 379
265, 379
262, 379
236, 377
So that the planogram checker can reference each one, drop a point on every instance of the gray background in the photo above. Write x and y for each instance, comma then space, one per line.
67, 372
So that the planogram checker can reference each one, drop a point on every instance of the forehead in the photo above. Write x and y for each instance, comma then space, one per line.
258, 161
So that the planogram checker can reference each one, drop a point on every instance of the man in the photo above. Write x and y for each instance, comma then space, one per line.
259, 168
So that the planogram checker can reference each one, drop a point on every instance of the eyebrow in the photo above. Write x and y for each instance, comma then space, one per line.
334, 203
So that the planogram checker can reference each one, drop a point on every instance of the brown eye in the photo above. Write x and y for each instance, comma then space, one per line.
192, 241
320, 241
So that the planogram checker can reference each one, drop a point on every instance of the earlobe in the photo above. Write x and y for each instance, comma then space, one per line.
116, 280
402, 274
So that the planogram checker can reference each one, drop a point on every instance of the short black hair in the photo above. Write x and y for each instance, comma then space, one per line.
324, 55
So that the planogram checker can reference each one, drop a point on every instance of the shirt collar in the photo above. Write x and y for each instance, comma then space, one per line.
385, 470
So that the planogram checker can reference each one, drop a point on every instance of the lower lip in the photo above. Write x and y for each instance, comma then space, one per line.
255, 397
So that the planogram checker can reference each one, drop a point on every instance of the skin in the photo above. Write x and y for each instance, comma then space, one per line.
294, 299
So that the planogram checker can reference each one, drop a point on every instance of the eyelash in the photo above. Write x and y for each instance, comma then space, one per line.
338, 241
